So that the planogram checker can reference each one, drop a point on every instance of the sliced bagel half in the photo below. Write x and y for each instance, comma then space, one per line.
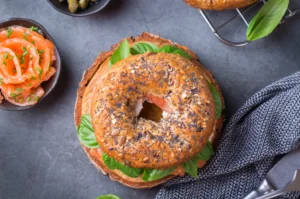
113, 95
219, 4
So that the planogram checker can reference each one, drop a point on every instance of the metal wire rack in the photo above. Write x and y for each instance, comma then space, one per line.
241, 14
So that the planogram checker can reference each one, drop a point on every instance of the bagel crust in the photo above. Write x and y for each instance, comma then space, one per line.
219, 4
88, 99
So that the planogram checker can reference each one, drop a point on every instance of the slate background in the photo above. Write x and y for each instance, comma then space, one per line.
40, 156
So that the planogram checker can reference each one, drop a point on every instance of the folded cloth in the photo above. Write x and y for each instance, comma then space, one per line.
264, 128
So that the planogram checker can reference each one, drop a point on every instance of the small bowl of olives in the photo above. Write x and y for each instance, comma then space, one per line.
78, 8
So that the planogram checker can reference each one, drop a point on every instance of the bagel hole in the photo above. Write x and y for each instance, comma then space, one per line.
150, 112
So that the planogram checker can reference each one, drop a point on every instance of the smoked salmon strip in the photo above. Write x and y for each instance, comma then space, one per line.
26, 60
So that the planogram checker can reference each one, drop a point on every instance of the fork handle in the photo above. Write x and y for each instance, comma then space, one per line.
264, 187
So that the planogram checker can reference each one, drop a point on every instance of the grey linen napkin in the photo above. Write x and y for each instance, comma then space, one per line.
264, 128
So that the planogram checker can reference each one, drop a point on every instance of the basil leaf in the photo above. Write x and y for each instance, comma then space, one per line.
143, 47
174, 50
108, 196
217, 100
206, 152
129, 171
86, 133
122, 52
191, 167
267, 19
167, 49
109, 162
155, 174
112, 164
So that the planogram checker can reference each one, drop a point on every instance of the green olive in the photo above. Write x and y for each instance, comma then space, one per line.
73, 5
83, 4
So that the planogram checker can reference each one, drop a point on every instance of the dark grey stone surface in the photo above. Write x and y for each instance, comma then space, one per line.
40, 156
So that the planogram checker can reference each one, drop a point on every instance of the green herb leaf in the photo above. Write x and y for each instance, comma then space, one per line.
191, 167
85, 132
25, 53
48, 67
4, 63
5, 55
9, 32
112, 164
14, 95
206, 153
28, 99
267, 19
41, 52
40, 71
1, 80
22, 57
33, 28
36, 98
129, 171
108, 196
122, 52
33, 78
143, 47
155, 174
174, 50
217, 100
25, 36
19, 90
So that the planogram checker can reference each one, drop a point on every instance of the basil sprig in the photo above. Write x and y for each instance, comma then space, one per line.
122, 52
86, 133
155, 174
108, 196
112, 164
191, 167
267, 19
217, 100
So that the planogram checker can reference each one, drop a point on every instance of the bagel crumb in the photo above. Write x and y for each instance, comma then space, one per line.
122, 140
146, 159
115, 132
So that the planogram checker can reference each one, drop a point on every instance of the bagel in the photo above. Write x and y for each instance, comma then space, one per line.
130, 140
219, 4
